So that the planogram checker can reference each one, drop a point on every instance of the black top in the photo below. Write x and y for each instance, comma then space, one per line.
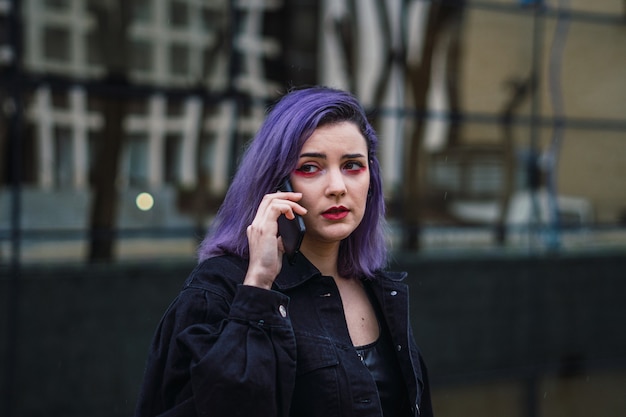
380, 359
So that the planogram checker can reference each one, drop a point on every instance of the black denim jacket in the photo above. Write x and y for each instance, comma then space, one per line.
225, 349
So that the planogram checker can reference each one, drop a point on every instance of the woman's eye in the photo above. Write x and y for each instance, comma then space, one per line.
307, 169
354, 166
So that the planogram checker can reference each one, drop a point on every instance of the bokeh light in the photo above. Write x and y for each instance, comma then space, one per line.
144, 201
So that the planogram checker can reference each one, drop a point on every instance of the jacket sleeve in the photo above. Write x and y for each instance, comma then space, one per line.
214, 355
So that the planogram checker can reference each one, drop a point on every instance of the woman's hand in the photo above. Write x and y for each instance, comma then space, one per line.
265, 247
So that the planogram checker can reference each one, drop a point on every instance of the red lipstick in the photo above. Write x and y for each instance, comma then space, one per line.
336, 213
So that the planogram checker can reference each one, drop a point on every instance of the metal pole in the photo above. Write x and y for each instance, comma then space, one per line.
533, 170
14, 107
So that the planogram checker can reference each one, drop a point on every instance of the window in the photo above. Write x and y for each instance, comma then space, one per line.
56, 44
94, 51
141, 55
137, 160
172, 155
179, 59
141, 10
57, 4
179, 14
206, 154
63, 167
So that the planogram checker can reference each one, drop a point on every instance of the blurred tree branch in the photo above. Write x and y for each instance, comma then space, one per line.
442, 16
113, 18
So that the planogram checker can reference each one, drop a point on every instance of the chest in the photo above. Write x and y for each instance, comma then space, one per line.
328, 363
359, 312
346, 317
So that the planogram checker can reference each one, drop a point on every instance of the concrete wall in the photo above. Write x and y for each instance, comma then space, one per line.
502, 336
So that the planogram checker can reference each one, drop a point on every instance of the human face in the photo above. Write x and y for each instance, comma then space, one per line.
333, 176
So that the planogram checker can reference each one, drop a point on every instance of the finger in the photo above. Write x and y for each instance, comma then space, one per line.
288, 195
273, 205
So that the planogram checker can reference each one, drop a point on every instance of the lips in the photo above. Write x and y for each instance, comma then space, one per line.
335, 213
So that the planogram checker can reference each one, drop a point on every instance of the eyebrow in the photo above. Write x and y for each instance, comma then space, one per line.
323, 156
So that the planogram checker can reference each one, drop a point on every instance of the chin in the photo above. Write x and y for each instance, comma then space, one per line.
337, 235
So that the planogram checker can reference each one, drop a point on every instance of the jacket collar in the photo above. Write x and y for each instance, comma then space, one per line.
293, 275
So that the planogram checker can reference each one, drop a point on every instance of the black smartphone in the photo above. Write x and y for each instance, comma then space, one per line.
292, 231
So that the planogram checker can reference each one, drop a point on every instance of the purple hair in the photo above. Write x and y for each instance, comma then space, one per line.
273, 154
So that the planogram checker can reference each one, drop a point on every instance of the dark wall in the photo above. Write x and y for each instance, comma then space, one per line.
503, 317
84, 330
84, 334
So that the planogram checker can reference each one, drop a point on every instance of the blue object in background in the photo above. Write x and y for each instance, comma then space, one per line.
531, 2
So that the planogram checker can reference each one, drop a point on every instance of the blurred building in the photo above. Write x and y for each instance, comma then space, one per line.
199, 75
168, 43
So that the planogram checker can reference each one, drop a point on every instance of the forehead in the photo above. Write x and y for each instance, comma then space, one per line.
344, 137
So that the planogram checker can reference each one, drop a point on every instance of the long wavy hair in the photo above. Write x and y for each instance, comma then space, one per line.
273, 154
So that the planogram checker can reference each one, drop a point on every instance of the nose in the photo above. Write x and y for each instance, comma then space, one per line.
336, 186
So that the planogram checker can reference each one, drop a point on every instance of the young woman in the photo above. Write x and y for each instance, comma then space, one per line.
324, 334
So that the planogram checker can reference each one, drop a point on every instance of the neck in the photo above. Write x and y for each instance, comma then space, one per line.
324, 257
